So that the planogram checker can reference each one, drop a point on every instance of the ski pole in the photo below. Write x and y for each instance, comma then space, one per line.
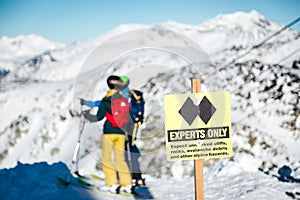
75, 158
134, 133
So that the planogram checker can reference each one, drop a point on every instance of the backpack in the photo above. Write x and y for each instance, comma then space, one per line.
137, 106
119, 112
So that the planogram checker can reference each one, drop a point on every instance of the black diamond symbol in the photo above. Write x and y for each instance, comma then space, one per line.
189, 111
206, 109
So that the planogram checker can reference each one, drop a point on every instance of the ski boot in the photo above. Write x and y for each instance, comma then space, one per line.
138, 182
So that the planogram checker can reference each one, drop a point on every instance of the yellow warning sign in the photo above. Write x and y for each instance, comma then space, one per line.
198, 126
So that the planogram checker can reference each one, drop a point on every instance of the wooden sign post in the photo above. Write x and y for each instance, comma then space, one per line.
198, 164
195, 124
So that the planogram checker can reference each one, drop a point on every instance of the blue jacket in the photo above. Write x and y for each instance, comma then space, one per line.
92, 104
97, 103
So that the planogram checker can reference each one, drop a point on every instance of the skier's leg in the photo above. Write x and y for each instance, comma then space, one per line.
126, 153
135, 154
125, 178
107, 165
136, 171
126, 159
129, 129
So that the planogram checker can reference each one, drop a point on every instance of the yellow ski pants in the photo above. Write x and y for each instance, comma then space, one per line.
115, 143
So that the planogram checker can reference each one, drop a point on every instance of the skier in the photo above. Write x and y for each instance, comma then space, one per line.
113, 106
132, 152
137, 103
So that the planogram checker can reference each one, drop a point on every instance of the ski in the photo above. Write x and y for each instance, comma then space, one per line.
136, 194
79, 182
77, 175
143, 192
121, 194
139, 192
88, 177
96, 177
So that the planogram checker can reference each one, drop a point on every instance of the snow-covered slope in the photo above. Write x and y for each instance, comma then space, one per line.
227, 180
38, 120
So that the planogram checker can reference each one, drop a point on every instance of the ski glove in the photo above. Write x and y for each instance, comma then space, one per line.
81, 101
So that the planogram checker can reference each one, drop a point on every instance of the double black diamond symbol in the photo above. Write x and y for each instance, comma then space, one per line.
189, 110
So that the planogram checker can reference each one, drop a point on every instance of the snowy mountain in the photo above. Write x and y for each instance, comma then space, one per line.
25, 46
17, 50
40, 82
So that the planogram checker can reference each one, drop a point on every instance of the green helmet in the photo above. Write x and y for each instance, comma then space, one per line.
124, 79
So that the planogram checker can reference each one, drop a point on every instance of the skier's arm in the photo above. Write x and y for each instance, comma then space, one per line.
97, 103
101, 111
91, 104
89, 117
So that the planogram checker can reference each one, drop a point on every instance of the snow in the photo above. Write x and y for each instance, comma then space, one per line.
38, 181
38, 102
298, 122
226, 180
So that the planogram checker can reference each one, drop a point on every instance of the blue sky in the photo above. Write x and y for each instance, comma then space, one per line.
69, 20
